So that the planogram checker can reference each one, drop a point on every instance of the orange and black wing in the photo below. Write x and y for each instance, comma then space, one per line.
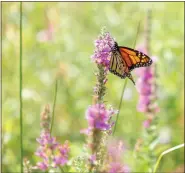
134, 58
119, 67
117, 64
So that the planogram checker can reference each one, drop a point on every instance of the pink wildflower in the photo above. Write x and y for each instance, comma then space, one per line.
103, 47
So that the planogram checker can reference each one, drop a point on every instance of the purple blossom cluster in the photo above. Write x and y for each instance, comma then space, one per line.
103, 47
51, 152
99, 117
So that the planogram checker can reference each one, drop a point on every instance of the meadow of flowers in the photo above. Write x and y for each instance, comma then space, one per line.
63, 111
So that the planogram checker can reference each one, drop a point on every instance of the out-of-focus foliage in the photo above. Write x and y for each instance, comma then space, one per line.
58, 41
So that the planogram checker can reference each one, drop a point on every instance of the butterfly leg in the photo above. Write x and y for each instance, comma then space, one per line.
130, 77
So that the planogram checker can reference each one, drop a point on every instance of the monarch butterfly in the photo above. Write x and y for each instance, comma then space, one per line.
123, 60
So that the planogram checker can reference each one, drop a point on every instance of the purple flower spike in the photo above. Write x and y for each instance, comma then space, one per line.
52, 153
103, 47
145, 86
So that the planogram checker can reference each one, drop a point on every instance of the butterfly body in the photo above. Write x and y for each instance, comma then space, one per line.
123, 60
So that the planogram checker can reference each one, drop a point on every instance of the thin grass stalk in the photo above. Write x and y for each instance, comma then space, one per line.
20, 96
53, 112
124, 86
119, 108
164, 153
54, 103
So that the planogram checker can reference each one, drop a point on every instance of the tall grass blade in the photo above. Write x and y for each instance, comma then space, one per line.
54, 103
120, 103
164, 153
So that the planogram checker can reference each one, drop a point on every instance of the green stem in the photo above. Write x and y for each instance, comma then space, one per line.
138, 27
120, 103
20, 85
54, 103
166, 152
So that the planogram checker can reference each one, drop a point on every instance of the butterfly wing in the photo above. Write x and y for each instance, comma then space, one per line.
134, 58
119, 67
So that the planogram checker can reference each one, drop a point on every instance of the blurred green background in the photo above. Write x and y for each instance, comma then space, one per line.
58, 41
